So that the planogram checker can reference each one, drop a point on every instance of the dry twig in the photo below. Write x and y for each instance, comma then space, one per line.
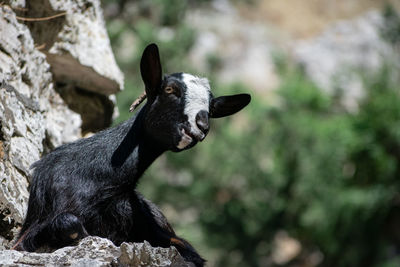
137, 102
43, 18
40, 47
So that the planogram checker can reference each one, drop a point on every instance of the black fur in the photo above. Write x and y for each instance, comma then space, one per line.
88, 187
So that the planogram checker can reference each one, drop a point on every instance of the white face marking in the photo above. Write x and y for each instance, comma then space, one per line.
197, 98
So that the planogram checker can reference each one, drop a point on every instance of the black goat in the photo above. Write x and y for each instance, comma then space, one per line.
88, 187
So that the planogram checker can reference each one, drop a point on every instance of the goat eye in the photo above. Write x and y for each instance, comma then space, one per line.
169, 90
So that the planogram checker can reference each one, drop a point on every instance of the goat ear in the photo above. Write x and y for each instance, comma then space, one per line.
227, 105
150, 68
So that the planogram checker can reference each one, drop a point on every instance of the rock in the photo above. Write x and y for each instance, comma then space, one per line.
95, 252
74, 39
332, 59
91, 251
242, 51
41, 107
143, 254
76, 44
28, 103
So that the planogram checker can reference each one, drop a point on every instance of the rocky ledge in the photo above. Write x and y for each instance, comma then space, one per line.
95, 252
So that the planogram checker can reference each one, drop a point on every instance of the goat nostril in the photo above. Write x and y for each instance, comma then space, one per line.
202, 121
203, 126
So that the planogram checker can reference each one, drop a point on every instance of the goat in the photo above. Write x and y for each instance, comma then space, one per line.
87, 187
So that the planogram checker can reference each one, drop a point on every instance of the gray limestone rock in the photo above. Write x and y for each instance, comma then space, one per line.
28, 103
73, 37
241, 51
76, 43
143, 254
336, 57
40, 108
97, 252
83, 48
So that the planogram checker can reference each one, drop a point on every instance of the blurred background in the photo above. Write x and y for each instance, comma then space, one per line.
308, 174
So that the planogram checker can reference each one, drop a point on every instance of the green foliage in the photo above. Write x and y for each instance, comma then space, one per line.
391, 26
173, 11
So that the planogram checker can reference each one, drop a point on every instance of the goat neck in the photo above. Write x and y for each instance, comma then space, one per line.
136, 150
